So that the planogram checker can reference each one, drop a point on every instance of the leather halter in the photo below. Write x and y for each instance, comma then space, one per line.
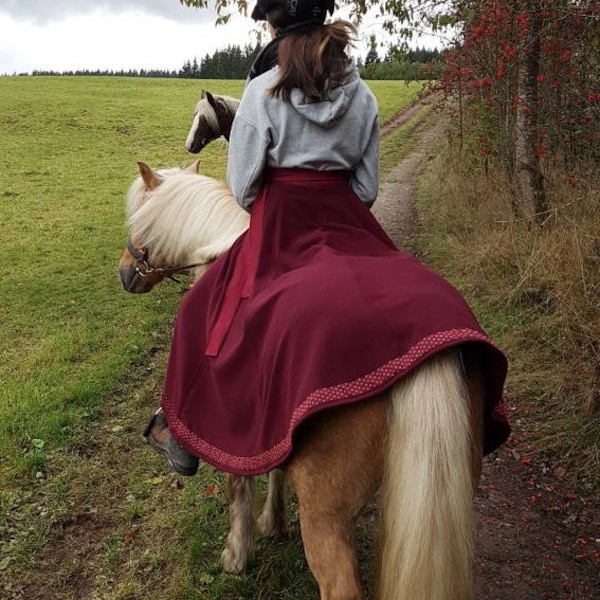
143, 267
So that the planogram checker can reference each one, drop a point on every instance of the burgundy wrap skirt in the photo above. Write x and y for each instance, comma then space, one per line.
312, 307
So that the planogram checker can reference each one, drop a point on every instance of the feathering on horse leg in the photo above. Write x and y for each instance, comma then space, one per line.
273, 519
239, 546
428, 515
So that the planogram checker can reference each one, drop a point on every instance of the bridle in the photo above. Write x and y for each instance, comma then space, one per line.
143, 268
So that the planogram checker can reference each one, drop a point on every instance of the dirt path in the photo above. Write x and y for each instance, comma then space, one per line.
537, 539
394, 208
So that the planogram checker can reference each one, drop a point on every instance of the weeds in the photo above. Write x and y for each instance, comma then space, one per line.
536, 290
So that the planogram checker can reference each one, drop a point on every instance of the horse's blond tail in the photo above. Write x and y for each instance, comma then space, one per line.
428, 520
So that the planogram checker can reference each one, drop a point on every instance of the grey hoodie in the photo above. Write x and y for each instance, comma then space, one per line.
341, 132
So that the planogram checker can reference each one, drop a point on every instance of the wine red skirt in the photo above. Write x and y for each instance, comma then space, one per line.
312, 307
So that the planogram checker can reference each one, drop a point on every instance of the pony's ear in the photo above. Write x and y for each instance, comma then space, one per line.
194, 167
211, 100
202, 94
149, 177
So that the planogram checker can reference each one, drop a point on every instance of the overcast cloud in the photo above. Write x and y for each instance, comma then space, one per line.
40, 12
69, 35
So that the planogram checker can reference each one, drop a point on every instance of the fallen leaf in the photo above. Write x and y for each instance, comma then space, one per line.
559, 472
130, 535
211, 491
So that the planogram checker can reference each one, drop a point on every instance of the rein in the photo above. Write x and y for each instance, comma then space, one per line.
143, 267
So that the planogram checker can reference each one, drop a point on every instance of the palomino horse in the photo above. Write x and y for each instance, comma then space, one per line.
421, 440
213, 117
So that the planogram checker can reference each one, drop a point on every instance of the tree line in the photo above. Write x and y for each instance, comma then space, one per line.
417, 64
158, 73
234, 62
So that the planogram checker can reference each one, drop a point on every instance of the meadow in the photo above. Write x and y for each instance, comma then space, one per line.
85, 510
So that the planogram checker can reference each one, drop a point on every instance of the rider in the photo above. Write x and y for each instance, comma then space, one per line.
304, 110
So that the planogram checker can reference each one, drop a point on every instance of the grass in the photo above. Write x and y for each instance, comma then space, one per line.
69, 151
391, 95
85, 510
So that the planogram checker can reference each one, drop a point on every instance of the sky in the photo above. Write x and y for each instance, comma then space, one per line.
63, 35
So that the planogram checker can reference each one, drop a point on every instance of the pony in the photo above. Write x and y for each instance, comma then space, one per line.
213, 117
420, 442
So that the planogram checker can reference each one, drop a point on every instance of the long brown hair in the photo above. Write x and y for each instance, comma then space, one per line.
313, 58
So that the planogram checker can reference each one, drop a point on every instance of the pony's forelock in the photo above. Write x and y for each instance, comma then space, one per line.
205, 109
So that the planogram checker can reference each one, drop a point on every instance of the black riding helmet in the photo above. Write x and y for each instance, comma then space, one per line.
297, 11
299, 14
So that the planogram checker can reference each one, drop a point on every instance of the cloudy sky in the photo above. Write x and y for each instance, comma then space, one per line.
108, 34
64, 35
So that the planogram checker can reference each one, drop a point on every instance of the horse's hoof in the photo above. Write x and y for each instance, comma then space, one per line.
232, 563
269, 525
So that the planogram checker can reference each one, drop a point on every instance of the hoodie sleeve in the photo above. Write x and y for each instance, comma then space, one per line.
364, 179
247, 160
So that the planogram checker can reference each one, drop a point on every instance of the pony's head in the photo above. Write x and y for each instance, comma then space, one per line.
213, 117
179, 221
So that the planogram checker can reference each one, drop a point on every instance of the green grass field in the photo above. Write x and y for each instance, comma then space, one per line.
81, 500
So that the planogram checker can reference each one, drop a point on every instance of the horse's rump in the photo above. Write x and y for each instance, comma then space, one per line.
333, 314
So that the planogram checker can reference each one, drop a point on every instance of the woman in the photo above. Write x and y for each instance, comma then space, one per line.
305, 106
313, 111
308, 300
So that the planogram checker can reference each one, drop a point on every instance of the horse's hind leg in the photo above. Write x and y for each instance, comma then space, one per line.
240, 541
273, 519
330, 550
334, 472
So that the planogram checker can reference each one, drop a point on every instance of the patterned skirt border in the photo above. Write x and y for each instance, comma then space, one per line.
366, 386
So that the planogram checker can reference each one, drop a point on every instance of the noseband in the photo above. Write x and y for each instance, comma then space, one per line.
143, 268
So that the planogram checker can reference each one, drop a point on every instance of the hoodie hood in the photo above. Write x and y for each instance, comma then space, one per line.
329, 111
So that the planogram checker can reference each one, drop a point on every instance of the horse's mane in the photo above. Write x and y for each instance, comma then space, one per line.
186, 218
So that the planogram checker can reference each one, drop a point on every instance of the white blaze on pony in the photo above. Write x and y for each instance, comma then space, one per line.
422, 440
213, 117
